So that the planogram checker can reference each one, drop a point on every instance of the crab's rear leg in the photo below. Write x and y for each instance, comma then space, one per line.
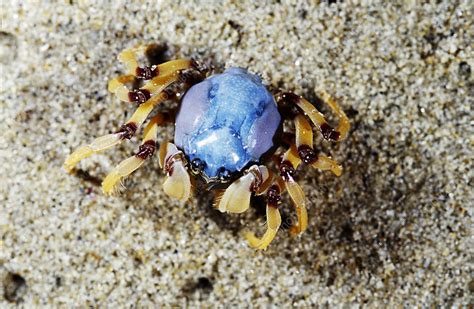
304, 145
152, 87
318, 119
145, 151
302, 152
129, 58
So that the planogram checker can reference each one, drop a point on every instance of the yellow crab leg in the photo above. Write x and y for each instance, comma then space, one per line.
273, 220
129, 58
160, 76
304, 145
145, 151
107, 141
288, 166
318, 118
144, 93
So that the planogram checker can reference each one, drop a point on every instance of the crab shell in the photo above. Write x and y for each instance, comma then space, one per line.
227, 122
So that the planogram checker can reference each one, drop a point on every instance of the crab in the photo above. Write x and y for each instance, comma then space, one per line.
229, 137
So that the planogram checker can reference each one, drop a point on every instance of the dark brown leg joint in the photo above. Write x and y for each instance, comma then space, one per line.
307, 154
147, 73
290, 98
139, 96
287, 171
127, 130
329, 133
273, 196
146, 150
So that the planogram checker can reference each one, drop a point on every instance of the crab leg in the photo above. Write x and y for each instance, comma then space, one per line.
236, 198
160, 76
288, 166
273, 220
145, 151
125, 132
318, 118
156, 85
304, 144
177, 183
129, 58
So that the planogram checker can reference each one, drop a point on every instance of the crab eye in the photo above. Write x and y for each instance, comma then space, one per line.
197, 165
223, 174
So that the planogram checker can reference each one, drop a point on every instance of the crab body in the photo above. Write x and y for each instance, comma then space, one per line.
226, 122
226, 131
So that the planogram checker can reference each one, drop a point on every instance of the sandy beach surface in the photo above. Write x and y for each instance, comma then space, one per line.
395, 230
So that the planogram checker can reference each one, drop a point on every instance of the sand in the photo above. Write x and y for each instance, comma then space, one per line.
394, 230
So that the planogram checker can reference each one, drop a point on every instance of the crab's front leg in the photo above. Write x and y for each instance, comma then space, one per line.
236, 198
289, 163
273, 198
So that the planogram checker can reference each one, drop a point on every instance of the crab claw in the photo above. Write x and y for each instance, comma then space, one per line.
178, 182
236, 198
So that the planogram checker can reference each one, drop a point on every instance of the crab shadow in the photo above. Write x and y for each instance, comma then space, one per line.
357, 221
357, 218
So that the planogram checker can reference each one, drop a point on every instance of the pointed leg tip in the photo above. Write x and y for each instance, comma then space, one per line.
75, 157
337, 170
112, 86
294, 230
254, 242
70, 163
109, 185
69, 168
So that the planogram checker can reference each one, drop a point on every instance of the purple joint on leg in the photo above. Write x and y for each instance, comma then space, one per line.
290, 98
146, 150
287, 171
147, 73
139, 96
127, 130
329, 133
273, 196
307, 154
